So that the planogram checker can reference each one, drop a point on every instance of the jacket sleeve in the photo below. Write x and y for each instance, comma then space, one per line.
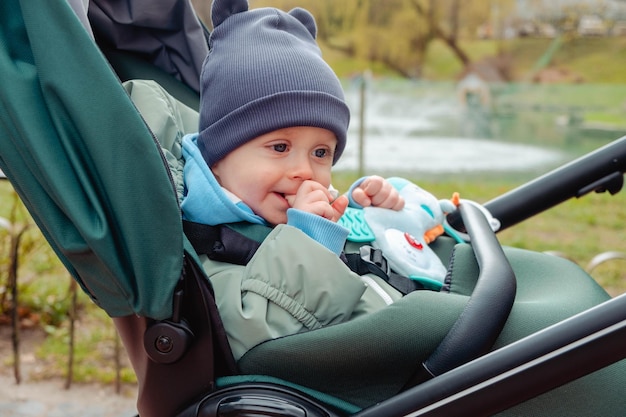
292, 284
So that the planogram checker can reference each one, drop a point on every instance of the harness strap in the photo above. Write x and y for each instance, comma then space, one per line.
371, 260
223, 244
220, 243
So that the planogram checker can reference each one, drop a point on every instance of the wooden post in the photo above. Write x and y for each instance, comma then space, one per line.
362, 107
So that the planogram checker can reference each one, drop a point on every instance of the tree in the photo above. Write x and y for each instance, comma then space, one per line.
432, 15
397, 33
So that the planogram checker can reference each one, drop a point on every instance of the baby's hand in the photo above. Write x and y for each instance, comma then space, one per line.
378, 192
314, 198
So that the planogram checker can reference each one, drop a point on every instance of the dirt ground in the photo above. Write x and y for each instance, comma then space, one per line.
48, 397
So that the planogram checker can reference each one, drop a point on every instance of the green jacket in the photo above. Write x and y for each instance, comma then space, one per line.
292, 284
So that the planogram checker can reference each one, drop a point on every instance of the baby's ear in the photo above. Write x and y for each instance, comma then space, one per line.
306, 19
223, 9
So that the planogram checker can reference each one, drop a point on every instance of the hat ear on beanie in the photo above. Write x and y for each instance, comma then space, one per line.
306, 19
265, 72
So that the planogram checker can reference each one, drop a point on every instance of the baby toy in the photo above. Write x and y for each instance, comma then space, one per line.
404, 236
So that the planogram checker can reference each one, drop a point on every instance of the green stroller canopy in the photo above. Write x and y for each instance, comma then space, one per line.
69, 135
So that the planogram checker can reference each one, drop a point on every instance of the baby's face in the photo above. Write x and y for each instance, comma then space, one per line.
265, 170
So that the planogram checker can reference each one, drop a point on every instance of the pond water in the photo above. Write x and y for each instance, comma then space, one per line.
446, 155
431, 128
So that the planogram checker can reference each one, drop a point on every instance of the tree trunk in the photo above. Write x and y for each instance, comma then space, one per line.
437, 32
16, 235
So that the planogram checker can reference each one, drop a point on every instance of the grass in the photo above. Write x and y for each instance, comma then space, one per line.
45, 300
594, 58
95, 349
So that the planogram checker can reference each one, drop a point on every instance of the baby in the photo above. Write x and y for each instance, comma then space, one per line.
273, 121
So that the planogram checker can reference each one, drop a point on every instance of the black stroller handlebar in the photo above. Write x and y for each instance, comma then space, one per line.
599, 171
486, 312
483, 318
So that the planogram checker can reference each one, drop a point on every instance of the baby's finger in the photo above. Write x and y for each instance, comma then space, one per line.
360, 197
398, 204
325, 210
393, 201
309, 191
291, 198
372, 185
339, 206
385, 197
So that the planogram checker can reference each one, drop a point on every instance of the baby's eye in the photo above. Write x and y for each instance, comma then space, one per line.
321, 153
280, 147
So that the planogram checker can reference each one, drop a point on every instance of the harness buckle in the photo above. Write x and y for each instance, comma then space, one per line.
374, 256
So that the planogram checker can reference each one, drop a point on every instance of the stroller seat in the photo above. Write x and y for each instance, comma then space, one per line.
370, 359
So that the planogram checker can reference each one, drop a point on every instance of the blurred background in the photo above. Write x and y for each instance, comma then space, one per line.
544, 74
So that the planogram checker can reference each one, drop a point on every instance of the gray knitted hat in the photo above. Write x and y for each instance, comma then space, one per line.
264, 72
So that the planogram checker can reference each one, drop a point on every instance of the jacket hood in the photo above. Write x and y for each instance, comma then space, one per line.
204, 200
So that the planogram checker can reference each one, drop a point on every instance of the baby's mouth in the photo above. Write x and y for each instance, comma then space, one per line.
286, 197
283, 196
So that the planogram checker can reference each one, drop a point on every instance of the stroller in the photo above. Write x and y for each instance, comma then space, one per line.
93, 166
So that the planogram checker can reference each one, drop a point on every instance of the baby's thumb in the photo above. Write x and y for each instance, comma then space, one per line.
290, 199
